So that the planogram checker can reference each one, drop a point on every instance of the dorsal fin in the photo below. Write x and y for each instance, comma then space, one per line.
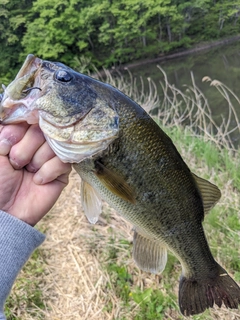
114, 183
149, 255
209, 192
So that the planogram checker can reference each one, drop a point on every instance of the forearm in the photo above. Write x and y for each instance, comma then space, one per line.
17, 241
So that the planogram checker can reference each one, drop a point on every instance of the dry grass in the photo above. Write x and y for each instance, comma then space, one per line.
75, 281
75, 284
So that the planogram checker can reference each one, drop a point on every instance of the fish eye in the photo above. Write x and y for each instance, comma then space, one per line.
63, 76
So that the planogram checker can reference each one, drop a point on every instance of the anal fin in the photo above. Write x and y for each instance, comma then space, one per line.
91, 202
149, 255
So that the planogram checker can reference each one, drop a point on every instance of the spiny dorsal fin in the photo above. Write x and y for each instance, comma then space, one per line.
114, 183
210, 193
149, 255
91, 202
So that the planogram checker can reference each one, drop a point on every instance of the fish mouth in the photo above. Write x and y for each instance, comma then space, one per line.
72, 138
72, 143
19, 101
30, 63
18, 96
18, 113
15, 111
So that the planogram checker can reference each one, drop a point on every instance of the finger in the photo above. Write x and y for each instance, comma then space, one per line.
10, 135
42, 155
54, 169
22, 152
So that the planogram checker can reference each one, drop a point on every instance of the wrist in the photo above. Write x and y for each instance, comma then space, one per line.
23, 216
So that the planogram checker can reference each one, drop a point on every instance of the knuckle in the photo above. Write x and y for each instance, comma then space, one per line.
18, 157
13, 133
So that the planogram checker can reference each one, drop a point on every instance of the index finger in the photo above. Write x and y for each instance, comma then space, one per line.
10, 135
22, 152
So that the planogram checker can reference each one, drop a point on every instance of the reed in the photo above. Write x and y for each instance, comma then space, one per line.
186, 109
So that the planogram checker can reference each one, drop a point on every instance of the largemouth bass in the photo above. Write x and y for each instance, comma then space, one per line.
124, 158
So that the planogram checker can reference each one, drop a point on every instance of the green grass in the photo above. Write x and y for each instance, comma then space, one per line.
27, 293
150, 303
142, 304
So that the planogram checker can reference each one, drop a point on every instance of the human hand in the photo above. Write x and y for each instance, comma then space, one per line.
31, 176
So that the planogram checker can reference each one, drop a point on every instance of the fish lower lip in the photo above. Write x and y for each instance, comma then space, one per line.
19, 114
13, 115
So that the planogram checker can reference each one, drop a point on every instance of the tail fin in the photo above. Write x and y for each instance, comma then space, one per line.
197, 295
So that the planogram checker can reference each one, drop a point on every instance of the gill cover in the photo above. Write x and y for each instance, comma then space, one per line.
86, 137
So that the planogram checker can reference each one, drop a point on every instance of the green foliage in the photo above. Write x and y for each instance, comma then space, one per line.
120, 280
152, 304
109, 32
12, 27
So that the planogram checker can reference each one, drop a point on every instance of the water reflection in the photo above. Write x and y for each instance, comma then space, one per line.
221, 63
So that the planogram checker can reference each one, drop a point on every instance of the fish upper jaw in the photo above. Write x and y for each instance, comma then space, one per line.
31, 63
16, 103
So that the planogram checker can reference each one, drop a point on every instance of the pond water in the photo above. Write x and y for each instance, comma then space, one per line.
221, 63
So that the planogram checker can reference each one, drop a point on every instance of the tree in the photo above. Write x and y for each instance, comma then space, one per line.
12, 26
108, 32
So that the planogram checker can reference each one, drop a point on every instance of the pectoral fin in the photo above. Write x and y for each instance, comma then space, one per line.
92, 204
114, 183
149, 255
210, 193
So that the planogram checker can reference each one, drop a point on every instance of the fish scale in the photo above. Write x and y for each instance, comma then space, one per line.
160, 214
124, 158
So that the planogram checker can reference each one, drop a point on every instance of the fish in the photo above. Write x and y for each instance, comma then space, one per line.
124, 158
